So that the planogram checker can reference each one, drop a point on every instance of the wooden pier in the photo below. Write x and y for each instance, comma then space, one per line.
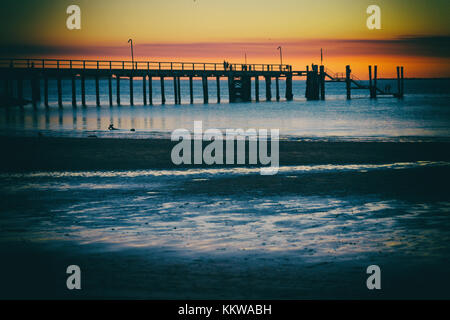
354, 83
239, 76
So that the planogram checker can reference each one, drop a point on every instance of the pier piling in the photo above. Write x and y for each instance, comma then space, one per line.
268, 88
348, 83
163, 94
131, 91
257, 88
144, 90
289, 95
59, 86
74, 93
402, 82
312, 84
179, 90
399, 87
175, 90
191, 90
322, 82
277, 85
46, 91
110, 90
118, 90
83, 91
218, 89
375, 68
97, 91
150, 90
205, 89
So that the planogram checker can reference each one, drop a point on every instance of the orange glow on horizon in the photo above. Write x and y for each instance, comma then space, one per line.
414, 35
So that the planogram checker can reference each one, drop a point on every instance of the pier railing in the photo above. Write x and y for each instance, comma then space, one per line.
138, 65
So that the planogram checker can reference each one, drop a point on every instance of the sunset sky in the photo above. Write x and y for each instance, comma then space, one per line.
413, 33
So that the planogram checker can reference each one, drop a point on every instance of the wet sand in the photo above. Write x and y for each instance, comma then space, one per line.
36, 270
52, 153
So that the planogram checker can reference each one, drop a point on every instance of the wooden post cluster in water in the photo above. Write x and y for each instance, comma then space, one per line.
400, 82
373, 82
315, 83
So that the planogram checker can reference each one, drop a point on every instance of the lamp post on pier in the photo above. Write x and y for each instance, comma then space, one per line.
281, 55
132, 55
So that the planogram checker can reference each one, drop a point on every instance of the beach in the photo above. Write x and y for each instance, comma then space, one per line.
141, 227
57, 153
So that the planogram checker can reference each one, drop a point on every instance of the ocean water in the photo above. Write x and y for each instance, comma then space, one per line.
424, 113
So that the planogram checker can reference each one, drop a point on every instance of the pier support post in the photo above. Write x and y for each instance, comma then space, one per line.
74, 92
289, 95
163, 94
370, 82
150, 90
131, 91
257, 89
399, 87
402, 82
110, 90
268, 88
205, 89
348, 82
375, 82
277, 85
322, 82
144, 90
46, 91
240, 88
179, 90
118, 90
175, 87
59, 86
312, 84
97, 91
218, 89
191, 90
83, 90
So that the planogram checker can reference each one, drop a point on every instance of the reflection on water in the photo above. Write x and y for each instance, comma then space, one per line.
147, 209
421, 113
204, 174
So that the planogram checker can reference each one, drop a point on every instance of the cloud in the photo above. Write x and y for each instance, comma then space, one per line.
409, 46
